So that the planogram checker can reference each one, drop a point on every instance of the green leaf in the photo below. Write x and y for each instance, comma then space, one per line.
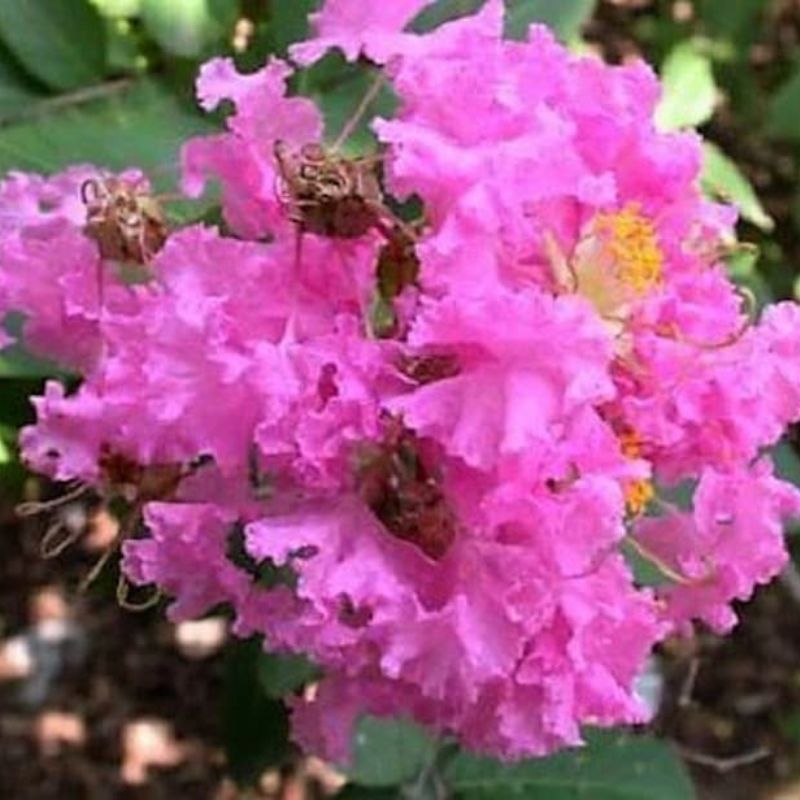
16, 89
288, 23
281, 674
7, 436
565, 17
645, 572
338, 88
118, 8
735, 20
722, 178
790, 727
741, 262
126, 43
15, 406
12, 473
16, 362
783, 114
436, 14
388, 752
142, 125
612, 766
689, 89
187, 28
787, 462
60, 42
255, 727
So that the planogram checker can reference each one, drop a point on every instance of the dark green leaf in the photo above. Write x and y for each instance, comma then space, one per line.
735, 20
689, 89
16, 362
288, 23
790, 726
565, 17
16, 89
60, 42
723, 179
187, 28
388, 752
442, 11
281, 674
338, 88
256, 727
354, 792
787, 467
142, 125
611, 767
15, 406
783, 116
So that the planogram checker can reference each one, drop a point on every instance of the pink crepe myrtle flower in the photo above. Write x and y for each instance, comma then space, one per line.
732, 542
242, 159
447, 498
51, 272
354, 26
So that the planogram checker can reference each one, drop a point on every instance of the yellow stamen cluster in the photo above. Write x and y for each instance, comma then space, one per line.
631, 444
638, 493
637, 496
633, 246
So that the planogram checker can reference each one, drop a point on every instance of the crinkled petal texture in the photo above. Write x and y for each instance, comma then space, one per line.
732, 542
186, 555
713, 400
357, 25
518, 384
211, 354
487, 641
434, 510
545, 142
242, 159
51, 272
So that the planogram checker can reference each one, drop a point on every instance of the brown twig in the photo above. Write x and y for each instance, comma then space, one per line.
725, 764
78, 97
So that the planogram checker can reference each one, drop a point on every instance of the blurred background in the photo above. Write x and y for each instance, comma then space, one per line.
98, 702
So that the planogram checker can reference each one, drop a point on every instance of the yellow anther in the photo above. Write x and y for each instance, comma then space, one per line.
632, 243
637, 496
630, 444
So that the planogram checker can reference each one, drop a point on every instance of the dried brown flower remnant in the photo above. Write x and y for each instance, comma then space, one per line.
124, 477
405, 495
125, 220
398, 263
328, 194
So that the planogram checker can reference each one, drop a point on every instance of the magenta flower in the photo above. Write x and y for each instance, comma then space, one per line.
436, 505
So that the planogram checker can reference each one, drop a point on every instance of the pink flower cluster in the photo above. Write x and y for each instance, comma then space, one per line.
439, 511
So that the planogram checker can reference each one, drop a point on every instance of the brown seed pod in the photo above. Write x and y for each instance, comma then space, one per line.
328, 194
430, 368
123, 477
405, 496
125, 220
398, 263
